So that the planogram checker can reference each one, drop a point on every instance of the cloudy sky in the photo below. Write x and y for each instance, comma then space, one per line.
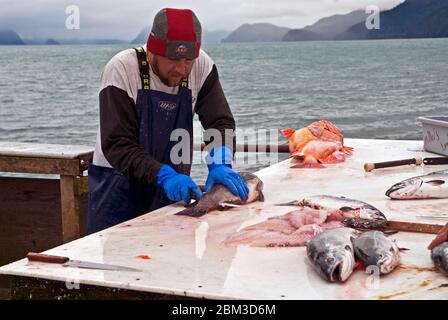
118, 19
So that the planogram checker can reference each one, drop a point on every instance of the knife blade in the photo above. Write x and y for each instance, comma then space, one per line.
435, 160
229, 205
67, 262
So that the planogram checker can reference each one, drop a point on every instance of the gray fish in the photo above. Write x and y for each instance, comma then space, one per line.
432, 185
332, 255
439, 256
373, 248
354, 213
220, 198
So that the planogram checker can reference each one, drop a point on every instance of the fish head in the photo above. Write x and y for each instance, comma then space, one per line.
369, 212
439, 256
386, 260
406, 189
377, 251
255, 186
335, 263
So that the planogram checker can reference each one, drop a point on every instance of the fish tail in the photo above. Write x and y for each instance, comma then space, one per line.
308, 165
192, 212
288, 204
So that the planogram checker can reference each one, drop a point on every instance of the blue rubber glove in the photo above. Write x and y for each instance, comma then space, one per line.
177, 186
220, 171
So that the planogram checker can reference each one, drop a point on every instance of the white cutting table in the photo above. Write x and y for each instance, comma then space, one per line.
187, 257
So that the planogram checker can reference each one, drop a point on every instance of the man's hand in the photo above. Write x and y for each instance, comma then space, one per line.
177, 186
231, 179
220, 171
441, 237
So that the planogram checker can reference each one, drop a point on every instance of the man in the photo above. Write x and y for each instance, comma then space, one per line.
144, 96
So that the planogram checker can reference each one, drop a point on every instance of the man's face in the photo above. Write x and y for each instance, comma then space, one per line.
170, 71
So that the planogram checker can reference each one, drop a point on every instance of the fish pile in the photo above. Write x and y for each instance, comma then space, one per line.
220, 198
432, 185
313, 215
335, 253
439, 250
319, 143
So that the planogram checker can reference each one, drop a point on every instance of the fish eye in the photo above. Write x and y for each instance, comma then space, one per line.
348, 248
330, 260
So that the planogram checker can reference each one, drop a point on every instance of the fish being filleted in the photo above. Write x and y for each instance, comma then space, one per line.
220, 198
439, 256
332, 254
374, 249
432, 185
353, 213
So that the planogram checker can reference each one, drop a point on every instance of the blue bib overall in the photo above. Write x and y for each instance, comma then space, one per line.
114, 198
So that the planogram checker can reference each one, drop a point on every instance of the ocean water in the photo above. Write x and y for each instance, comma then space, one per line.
370, 89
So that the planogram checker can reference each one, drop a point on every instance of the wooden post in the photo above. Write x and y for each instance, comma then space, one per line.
69, 208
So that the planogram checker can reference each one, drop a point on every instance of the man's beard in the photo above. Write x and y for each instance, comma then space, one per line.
155, 68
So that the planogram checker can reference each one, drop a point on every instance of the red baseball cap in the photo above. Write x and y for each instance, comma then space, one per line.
175, 34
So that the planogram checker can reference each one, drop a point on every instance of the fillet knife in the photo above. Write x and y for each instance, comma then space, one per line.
416, 161
67, 262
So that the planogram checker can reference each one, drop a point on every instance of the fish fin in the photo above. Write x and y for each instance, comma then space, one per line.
288, 204
347, 150
435, 182
307, 165
261, 196
347, 209
297, 153
191, 205
192, 212
288, 132
362, 224
332, 159
403, 249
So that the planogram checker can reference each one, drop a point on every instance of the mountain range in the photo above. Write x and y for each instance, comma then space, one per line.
258, 32
10, 37
326, 28
207, 36
410, 19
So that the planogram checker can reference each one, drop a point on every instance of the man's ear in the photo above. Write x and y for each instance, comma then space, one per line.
151, 58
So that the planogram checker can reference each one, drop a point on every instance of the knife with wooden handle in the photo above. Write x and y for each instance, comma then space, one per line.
388, 164
67, 262
417, 161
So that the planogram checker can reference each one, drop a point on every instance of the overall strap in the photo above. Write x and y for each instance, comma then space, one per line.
184, 83
143, 67
144, 70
